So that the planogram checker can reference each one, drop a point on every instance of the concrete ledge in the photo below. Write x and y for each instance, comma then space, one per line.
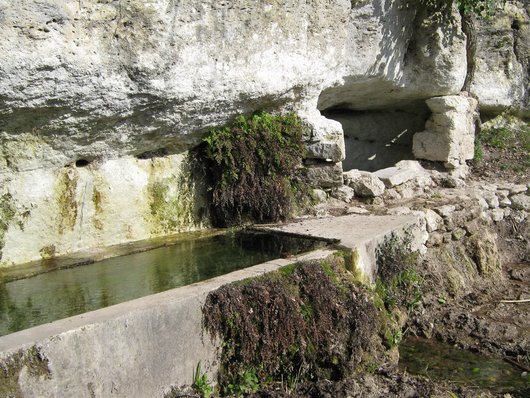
361, 234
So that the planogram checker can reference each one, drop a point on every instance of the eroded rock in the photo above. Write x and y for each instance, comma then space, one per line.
365, 184
449, 134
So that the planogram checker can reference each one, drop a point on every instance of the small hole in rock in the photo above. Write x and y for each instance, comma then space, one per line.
516, 24
82, 163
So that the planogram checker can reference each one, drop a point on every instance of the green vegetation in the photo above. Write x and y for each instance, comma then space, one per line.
201, 384
508, 139
65, 197
479, 8
308, 321
398, 286
246, 382
402, 289
393, 338
254, 168
7, 212
478, 155
482, 8
398, 283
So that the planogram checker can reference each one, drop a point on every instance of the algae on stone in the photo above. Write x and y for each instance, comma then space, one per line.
7, 213
10, 369
97, 200
172, 203
65, 197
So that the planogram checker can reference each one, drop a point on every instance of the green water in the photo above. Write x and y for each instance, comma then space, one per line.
66, 292
443, 362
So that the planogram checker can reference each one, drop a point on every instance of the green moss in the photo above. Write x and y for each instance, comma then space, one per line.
171, 204
7, 213
328, 270
65, 197
288, 269
10, 368
254, 165
307, 311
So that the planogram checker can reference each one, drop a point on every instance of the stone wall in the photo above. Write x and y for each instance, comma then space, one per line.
449, 135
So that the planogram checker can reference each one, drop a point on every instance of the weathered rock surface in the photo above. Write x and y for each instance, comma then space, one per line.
365, 184
59, 211
113, 93
394, 176
521, 202
343, 193
503, 58
450, 131
325, 175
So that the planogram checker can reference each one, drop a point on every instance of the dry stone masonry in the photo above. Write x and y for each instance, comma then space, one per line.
450, 131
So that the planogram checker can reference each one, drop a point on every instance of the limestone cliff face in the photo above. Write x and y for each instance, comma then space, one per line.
101, 99
503, 60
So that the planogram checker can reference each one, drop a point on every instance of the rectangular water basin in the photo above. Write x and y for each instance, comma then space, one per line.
64, 292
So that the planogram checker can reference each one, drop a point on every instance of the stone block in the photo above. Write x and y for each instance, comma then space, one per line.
520, 202
343, 193
325, 138
497, 215
320, 195
325, 175
393, 176
450, 131
433, 220
445, 211
513, 189
365, 184
326, 150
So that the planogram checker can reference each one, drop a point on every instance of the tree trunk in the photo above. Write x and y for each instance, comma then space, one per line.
468, 27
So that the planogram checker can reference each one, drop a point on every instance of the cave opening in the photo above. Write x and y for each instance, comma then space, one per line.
379, 137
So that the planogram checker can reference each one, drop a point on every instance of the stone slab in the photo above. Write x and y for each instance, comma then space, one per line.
393, 176
361, 233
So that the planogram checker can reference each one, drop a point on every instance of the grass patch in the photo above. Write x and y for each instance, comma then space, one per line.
503, 145
507, 137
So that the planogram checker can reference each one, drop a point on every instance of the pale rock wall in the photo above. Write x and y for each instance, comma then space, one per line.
72, 209
450, 131
501, 78
104, 81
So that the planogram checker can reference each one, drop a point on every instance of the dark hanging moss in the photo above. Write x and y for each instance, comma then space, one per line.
309, 321
253, 168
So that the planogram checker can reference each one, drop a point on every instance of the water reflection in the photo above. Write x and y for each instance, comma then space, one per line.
443, 362
63, 293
